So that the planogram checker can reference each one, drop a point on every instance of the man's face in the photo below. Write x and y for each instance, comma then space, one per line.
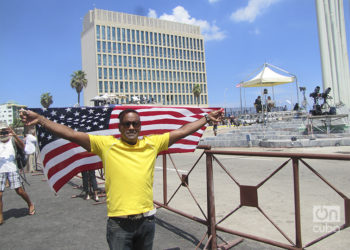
130, 128
4, 135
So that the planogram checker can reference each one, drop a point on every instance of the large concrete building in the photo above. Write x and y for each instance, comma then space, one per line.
132, 57
9, 112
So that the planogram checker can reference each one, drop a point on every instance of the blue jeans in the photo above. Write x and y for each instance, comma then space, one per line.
126, 234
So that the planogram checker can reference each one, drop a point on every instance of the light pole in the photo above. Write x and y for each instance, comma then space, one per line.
225, 99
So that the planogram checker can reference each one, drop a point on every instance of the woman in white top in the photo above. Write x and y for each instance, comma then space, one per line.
8, 167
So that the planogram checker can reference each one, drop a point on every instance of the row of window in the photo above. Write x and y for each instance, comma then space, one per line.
142, 50
146, 37
147, 87
166, 99
150, 75
154, 63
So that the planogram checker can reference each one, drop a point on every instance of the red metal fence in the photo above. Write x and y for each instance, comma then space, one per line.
249, 196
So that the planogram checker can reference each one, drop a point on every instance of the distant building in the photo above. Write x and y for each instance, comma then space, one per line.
139, 59
9, 112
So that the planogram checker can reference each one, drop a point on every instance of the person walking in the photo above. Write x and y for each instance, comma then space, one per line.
128, 165
8, 167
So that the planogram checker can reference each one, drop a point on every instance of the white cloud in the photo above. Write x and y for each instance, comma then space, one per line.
152, 13
180, 14
213, 1
252, 10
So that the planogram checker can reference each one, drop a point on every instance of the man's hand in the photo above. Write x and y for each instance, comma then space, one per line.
29, 117
217, 115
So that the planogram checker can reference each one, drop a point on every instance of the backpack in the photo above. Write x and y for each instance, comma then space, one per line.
21, 158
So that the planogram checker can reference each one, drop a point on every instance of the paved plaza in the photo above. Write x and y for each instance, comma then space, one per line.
63, 222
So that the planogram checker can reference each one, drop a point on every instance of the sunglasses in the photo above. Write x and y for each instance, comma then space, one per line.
134, 124
4, 132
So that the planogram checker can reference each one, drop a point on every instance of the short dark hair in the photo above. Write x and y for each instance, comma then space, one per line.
126, 111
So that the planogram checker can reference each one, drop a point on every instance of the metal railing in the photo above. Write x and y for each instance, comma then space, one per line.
249, 196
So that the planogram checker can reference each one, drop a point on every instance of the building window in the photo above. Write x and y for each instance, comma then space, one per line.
133, 36
146, 37
115, 74
128, 35
97, 31
113, 33
142, 36
104, 73
123, 34
121, 87
103, 33
100, 87
106, 86
111, 87
99, 59
108, 33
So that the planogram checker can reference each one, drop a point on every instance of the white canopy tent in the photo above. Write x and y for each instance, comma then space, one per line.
269, 78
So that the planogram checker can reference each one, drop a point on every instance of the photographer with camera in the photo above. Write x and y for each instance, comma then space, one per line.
8, 167
316, 107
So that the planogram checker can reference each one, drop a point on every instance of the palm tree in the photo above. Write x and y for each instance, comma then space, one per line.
46, 100
78, 82
197, 91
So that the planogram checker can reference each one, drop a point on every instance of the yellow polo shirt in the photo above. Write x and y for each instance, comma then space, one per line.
129, 171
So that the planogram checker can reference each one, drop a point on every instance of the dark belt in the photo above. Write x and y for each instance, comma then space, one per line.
132, 217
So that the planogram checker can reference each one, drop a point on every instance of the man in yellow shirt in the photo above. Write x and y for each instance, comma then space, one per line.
128, 164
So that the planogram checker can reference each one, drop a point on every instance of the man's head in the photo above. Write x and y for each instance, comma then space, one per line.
129, 126
4, 133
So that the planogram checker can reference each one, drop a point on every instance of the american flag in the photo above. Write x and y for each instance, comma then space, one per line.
63, 159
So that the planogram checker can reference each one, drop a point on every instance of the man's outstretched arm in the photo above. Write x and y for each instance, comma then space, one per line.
31, 118
192, 127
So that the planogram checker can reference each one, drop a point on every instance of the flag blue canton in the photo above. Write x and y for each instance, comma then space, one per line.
83, 119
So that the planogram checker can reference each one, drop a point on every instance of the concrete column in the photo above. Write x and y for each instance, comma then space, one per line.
333, 47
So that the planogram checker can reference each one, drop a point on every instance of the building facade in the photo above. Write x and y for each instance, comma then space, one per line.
139, 59
9, 112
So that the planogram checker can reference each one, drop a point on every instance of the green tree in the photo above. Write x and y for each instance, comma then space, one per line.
46, 100
197, 91
78, 82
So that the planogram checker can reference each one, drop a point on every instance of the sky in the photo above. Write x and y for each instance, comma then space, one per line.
40, 44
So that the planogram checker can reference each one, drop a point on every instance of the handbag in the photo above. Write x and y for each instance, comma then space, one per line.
21, 157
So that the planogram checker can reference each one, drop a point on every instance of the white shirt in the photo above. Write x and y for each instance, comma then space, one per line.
30, 144
7, 157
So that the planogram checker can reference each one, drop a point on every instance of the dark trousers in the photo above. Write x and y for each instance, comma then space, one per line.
89, 176
127, 234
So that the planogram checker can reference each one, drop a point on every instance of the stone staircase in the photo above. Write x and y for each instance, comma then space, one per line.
290, 132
